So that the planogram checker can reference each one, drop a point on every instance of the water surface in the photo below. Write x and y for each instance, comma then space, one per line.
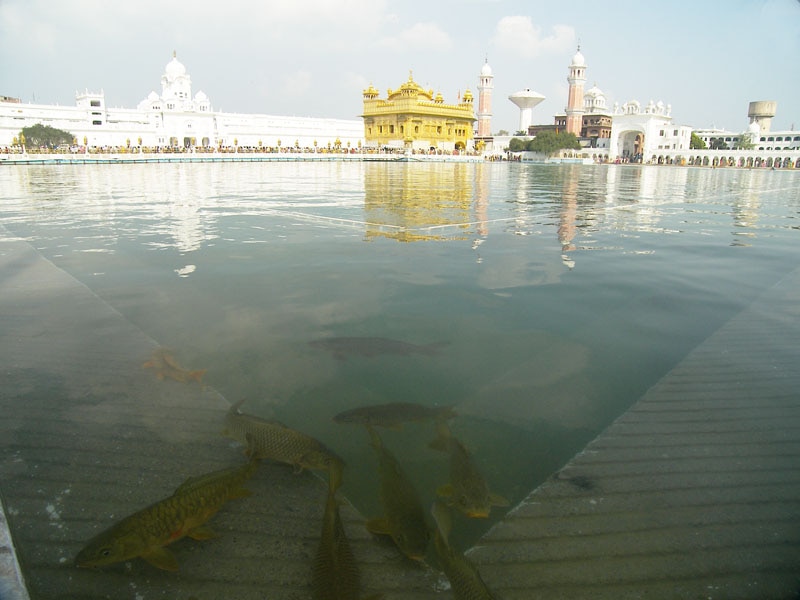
558, 294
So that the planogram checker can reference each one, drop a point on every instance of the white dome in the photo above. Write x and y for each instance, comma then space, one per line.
200, 96
594, 92
754, 128
486, 70
175, 68
578, 60
152, 97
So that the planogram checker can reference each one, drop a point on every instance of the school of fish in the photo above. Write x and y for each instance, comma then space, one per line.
146, 533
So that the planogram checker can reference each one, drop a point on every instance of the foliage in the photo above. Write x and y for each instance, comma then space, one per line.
550, 142
697, 143
502, 132
516, 145
718, 143
40, 135
745, 142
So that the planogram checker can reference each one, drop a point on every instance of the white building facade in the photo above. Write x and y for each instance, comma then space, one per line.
176, 119
644, 134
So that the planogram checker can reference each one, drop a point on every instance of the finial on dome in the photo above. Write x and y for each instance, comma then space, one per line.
174, 54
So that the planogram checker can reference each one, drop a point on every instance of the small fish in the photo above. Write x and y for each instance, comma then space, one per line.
465, 580
334, 574
404, 517
342, 347
145, 533
166, 366
467, 490
394, 414
272, 440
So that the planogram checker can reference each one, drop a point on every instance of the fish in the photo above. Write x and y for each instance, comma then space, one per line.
267, 439
145, 533
334, 574
465, 580
369, 347
404, 517
467, 490
394, 414
167, 366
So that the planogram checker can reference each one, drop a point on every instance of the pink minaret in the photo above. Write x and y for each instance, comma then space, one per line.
576, 79
485, 101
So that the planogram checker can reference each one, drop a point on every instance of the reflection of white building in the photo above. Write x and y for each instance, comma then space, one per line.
174, 118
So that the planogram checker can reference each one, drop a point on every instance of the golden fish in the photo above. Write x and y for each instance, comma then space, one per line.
145, 533
335, 574
465, 580
394, 414
467, 490
275, 441
166, 366
404, 517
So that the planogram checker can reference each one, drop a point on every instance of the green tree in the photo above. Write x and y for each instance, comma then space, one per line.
40, 135
550, 142
516, 145
718, 143
697, 143
745, 142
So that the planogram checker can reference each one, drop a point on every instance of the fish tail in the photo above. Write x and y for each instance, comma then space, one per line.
434, 348
443, 520
375, 439
442, 440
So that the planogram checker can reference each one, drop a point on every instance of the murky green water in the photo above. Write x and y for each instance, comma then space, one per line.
559, 294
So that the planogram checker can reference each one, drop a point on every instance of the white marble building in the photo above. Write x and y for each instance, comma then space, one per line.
175, 118
646, 133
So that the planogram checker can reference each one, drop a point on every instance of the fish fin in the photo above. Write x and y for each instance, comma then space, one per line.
161, 558
446, 490
239, 493
498, 500
443, 519
379, 526
234, 409
201, 533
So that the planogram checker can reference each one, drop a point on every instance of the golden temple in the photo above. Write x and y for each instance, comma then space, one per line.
412, 117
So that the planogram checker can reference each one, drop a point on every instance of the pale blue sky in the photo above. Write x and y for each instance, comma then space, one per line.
707, 58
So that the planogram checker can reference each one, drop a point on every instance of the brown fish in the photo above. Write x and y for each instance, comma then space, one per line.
404, 517
465, 580
467, 490
167, 366
394, 414
275, 441
334, 574
369, 347
145, 533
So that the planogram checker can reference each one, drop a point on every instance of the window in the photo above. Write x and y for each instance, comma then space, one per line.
94, 103
661, 133
391, 128
97, 122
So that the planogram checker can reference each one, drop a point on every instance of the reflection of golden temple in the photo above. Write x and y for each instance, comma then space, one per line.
412, 202
412, 117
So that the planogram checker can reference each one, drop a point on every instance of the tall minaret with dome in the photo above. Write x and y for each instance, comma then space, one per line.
575, 107
485, 87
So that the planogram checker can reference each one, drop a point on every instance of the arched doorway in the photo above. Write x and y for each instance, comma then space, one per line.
631, 145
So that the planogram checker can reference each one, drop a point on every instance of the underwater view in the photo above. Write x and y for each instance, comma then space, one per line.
434, 336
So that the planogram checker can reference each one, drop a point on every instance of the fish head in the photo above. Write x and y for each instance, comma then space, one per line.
412, 538
108, 548
473, 500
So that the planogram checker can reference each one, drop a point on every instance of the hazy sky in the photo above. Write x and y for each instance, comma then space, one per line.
707, 58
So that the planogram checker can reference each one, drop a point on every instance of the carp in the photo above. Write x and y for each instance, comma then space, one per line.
266, 439
404, 517
145, 533
334, 574
467, 490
